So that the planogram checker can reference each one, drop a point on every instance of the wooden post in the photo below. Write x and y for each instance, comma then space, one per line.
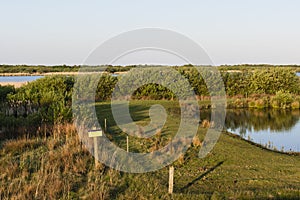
105, 125
171, 179
127, 140
96, 151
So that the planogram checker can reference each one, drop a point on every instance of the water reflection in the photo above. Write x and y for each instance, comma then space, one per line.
278, 129
257, 120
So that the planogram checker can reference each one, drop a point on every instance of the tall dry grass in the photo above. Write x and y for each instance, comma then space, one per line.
55, 167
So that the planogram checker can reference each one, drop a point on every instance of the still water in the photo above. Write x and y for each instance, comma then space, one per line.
19, 78
278, 129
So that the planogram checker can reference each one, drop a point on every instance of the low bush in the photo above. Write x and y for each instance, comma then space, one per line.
282, 100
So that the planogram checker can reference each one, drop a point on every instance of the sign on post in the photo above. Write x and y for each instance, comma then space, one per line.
95, 134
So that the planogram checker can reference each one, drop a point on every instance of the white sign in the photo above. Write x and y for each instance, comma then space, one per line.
95, 133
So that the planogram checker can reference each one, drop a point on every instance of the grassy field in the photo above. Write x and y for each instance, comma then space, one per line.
59, 167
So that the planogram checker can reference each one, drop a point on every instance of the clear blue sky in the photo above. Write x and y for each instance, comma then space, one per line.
232, 32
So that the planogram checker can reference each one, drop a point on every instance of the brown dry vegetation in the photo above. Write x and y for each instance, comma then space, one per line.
48, 168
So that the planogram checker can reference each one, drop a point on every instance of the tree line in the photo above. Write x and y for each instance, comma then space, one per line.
40, 69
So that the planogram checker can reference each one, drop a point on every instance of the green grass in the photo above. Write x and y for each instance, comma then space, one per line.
59, 167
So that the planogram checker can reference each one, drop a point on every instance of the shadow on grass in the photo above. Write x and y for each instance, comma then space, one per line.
201, 176
117, 191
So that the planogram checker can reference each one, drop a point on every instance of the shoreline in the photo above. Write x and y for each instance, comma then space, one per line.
233, 135
15, 84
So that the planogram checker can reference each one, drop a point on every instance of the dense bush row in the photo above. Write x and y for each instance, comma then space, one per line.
44, 102
282, 100
263, 81
48, 100
260, 81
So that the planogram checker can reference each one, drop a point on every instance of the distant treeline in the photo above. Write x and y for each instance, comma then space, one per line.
40, 69
246, 67
36, 69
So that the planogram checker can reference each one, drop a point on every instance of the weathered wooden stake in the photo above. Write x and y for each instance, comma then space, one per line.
127, 144
105, 125
96, 151
171, 179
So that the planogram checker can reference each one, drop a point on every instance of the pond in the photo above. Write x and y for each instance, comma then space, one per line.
19, 78
274, 129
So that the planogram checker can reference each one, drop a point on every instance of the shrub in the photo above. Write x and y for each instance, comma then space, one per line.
282, 99
275, 104
260, 103
295, 105
205, 124
251, 104
196, 141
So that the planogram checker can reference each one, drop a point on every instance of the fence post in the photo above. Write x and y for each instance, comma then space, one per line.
171, 179
96, 151
127, 141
